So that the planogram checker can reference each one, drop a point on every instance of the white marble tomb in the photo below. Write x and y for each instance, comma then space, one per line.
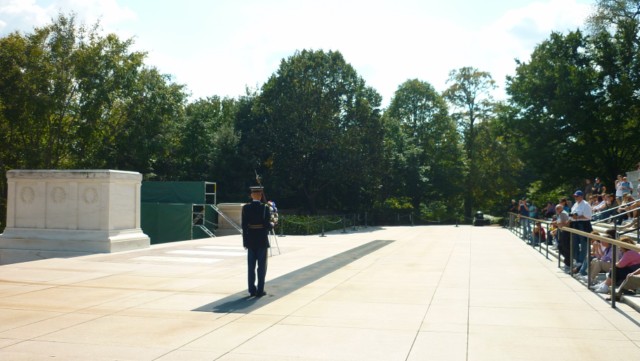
63, 213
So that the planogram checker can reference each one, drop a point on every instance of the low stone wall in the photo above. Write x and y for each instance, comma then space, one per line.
62, 213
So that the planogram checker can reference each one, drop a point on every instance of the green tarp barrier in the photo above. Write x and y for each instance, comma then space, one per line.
173, 192
166, 222
166, 212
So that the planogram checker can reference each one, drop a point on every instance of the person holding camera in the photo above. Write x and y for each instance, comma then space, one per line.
523, 210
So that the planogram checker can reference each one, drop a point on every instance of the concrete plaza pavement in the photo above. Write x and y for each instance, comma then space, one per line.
433, 293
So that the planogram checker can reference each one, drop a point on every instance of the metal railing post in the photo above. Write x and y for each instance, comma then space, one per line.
546, 240
588, 259
571, 254
614, 256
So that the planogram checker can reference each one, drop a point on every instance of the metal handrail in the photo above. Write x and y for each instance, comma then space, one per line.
617, 214
614, 243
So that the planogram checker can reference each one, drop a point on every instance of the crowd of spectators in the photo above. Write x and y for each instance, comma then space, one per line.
616, 211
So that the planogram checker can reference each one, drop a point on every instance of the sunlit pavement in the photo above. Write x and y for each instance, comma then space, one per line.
397, 293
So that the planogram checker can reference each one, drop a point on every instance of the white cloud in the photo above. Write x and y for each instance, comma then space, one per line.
516, 34
108, 12
21, 15
24, 15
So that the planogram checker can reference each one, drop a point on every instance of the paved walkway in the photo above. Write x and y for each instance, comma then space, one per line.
433, 293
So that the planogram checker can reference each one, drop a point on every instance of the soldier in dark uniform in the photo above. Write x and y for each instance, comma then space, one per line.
256, 224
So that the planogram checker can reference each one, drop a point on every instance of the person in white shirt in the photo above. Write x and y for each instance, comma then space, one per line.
581, 220
601, 205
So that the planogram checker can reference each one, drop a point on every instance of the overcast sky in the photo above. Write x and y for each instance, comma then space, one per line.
220, 47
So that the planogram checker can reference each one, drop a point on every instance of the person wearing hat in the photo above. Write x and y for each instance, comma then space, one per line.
581, 220
256, 224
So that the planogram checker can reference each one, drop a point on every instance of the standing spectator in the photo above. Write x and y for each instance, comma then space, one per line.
513, 208
562, 220
588, 188
565, 205
619, 192
638, 190
533, 210
581, 215
627, 187
597, 186
523, 210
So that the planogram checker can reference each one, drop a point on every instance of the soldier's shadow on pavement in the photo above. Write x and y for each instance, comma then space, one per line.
236, 303
288, 283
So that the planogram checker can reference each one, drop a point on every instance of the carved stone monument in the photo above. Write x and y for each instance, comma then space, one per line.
64, 213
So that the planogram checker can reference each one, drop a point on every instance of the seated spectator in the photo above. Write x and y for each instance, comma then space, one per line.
609, 210
629, 285
553, 233
628, 210
599, 206
601, 261
539, 234
628, 263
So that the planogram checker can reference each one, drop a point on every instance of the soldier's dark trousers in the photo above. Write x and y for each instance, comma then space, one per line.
256, 256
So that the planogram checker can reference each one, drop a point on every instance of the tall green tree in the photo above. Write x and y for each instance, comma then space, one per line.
209, 141
608, 14
323, 132
472, 102
555, 96
423, 148
580, 94
499, 168
60, 85
147, 139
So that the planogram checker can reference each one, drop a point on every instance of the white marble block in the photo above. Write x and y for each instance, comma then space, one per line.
59, 213
234, 212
